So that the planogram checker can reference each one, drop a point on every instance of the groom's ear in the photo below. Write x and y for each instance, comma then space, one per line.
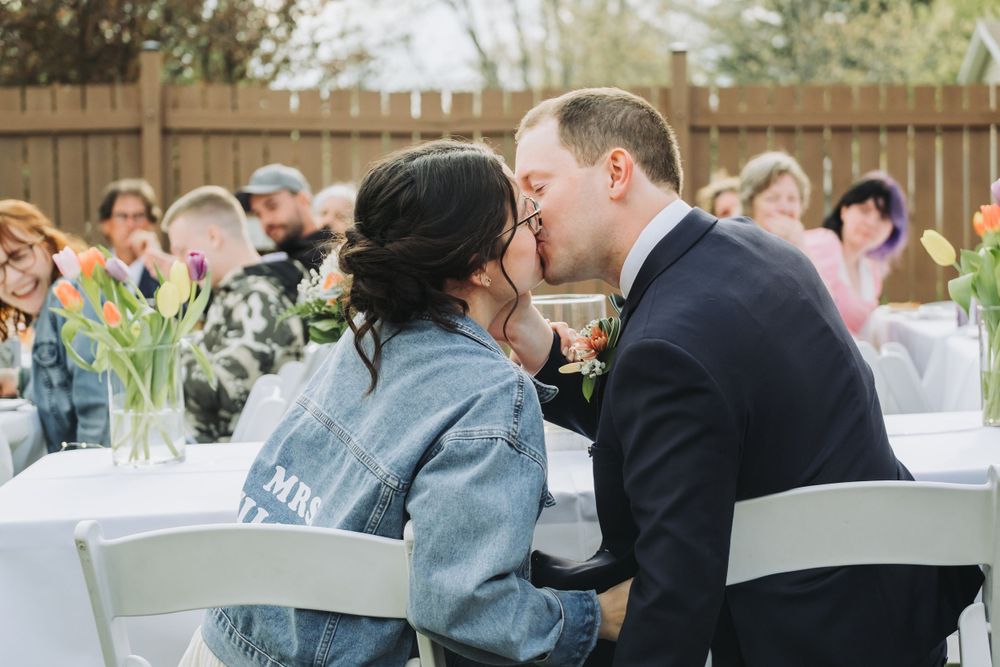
620, 169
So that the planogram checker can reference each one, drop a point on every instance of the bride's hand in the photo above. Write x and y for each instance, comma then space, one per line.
525, 330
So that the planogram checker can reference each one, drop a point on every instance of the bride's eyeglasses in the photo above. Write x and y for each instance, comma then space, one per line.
533, 219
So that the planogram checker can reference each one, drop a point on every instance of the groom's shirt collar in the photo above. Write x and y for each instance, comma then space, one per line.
658, 227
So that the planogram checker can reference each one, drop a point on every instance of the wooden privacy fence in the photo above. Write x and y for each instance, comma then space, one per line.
61, 145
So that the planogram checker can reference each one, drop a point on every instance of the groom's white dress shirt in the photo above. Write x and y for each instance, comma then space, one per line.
661, 225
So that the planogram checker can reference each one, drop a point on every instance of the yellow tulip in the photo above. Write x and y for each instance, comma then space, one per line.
168, 299
938, 247
180, 278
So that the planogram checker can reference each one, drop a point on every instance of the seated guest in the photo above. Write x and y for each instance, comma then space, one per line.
72, 403
279, 195
333, 207
418, 415
859, 238
244, 335
128, 206
721, 197
774, 191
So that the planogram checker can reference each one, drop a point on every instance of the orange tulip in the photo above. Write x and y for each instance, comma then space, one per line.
112, 315
991, 217
332, 280
89, 259
68, 296
977, 223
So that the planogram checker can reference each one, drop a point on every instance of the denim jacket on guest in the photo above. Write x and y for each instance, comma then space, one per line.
72, 403
451, 439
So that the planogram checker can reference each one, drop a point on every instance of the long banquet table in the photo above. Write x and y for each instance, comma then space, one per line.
45, 616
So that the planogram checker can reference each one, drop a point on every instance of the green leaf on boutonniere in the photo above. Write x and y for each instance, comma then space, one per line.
588, 387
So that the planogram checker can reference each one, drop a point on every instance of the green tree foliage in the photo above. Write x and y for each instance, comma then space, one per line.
842, 41
97, 41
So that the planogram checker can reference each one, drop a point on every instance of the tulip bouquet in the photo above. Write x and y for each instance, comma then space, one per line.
137, 344
318, 302
979, 279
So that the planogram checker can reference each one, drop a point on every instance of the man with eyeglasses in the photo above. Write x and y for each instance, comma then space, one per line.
128, 213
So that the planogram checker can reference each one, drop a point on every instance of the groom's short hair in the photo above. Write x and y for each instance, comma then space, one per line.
592, 121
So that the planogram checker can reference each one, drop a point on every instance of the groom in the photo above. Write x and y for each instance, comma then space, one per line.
734, 377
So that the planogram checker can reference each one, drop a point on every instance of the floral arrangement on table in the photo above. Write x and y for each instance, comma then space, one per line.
137, 343
318, 302
593, 351
979, 278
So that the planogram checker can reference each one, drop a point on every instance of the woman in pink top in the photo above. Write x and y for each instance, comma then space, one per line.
859, 238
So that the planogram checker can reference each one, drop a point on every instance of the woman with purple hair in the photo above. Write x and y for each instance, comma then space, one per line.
860, 236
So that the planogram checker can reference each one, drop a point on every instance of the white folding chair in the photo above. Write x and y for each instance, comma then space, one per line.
220, 565
902, 380
257, 424
889, 522
292, 374
886, 400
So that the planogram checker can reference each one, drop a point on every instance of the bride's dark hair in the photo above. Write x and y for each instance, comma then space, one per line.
424, 215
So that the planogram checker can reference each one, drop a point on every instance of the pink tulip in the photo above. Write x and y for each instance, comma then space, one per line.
67, 262
117, 269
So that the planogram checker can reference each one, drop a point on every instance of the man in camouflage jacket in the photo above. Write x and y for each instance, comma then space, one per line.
243, 334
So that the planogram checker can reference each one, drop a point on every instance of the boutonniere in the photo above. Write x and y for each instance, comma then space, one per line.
593, 351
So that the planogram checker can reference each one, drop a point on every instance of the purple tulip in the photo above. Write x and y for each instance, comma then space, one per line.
68, 263
995, 189
117, 269
197, 266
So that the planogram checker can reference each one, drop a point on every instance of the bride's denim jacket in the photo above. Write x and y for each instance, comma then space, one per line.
451, 438
72, 402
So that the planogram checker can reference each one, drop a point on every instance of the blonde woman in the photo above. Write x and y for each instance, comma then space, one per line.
774, 191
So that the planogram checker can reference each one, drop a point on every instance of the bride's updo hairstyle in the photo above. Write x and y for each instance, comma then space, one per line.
424, 215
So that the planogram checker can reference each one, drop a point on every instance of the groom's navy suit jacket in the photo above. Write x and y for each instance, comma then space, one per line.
735, 377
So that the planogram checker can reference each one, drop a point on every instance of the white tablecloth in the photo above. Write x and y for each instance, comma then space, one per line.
45, 616
21, 443
919, 330
946, 356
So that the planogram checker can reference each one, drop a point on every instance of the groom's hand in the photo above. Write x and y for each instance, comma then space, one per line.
613, 602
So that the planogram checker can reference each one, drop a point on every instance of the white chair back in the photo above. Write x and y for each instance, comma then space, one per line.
885, 398
859, 523
257, 424
292, 374
902, 380
220, 565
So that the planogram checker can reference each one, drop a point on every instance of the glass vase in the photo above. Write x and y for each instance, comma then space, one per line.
989, 363
146, 400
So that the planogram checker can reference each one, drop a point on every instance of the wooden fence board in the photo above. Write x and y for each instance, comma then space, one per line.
71, 195
220, 148
41, 155
341, 143
370, 144
100, 150
310, 149
840, 151
900, 286
869, 138
928, 276
12, 148
249, 145
812, 151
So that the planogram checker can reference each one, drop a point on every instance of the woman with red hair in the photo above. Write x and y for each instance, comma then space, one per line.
72, 403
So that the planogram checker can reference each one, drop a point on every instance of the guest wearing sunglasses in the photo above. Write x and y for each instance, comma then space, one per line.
72, 403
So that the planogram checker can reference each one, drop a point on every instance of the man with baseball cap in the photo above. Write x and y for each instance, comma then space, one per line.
280, 197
